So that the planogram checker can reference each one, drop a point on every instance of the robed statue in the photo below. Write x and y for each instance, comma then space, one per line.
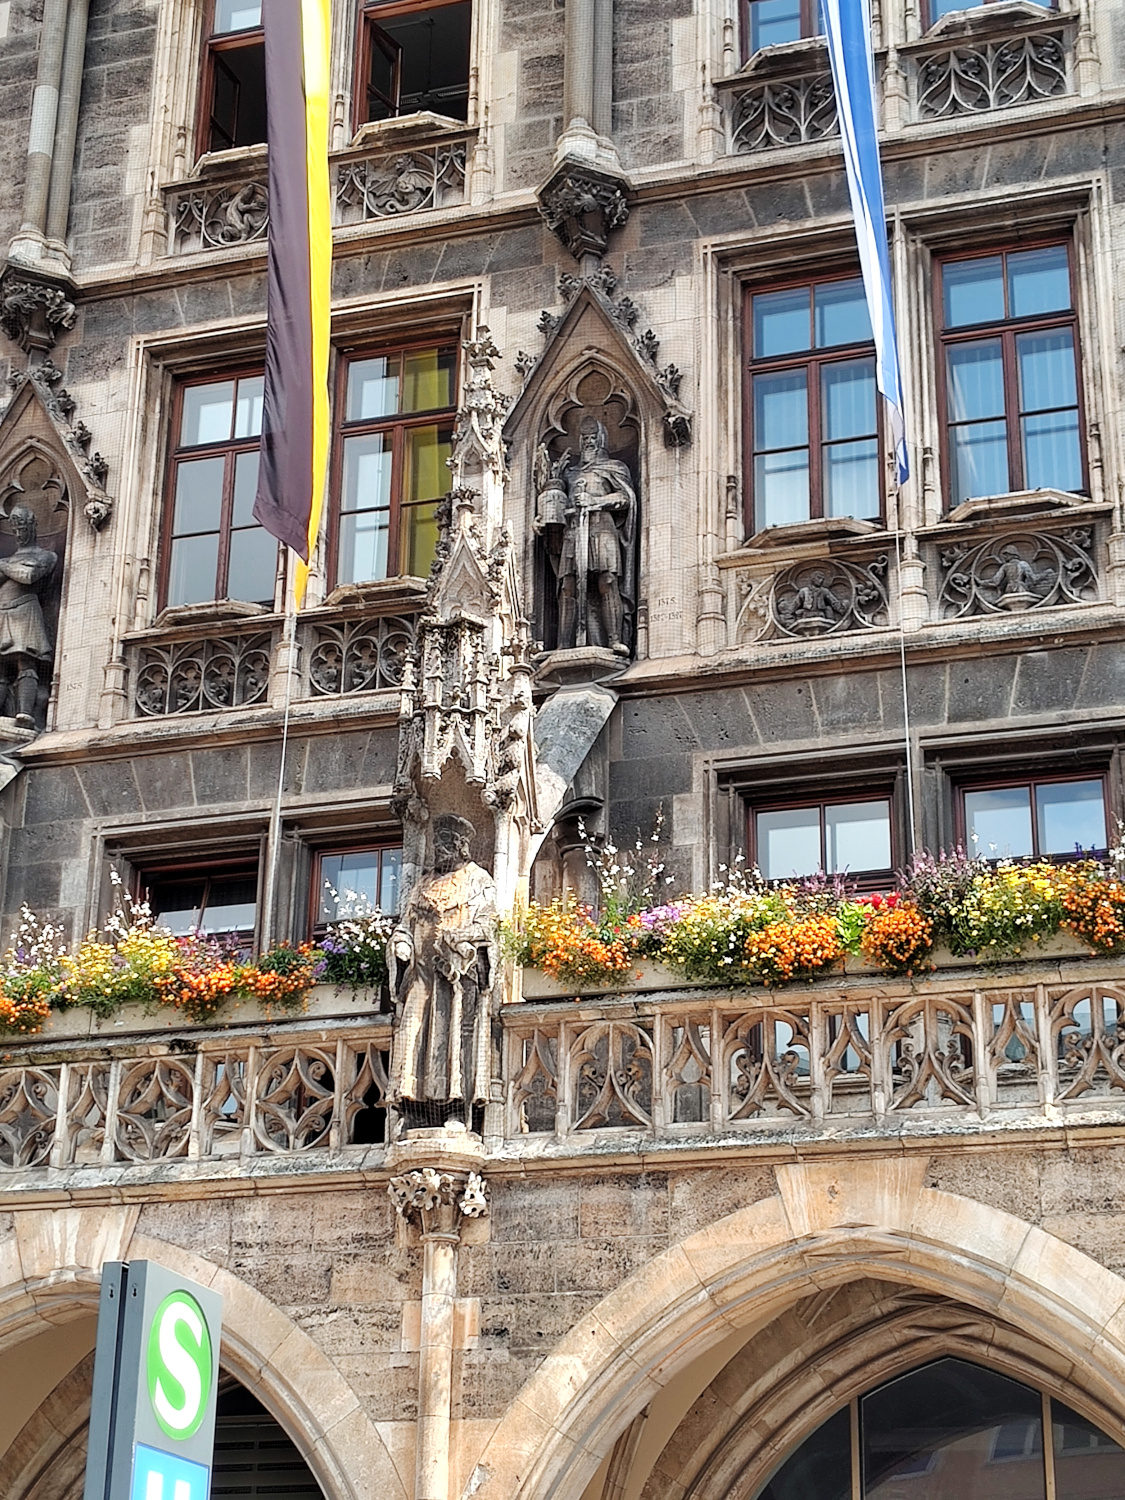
442, 961
24, 642
586, 512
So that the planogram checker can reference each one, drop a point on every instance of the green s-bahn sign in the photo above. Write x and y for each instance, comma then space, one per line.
156, 1375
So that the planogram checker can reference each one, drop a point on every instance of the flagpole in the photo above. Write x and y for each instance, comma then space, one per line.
273, 834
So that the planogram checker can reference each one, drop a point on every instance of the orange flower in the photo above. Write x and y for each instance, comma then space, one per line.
778, 952
898, 937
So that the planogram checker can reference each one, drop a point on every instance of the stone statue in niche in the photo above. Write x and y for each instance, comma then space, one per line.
25, 645
442, 959
586, 513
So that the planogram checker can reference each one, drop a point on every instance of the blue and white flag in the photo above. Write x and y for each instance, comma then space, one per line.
848, 27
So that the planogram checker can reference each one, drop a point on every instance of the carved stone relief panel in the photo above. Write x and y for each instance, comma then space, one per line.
983, 75
783, 112
1017, 571
186, 676
822, 596
381, 187
357, 656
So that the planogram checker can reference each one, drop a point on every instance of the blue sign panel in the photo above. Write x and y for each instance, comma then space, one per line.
163, 1476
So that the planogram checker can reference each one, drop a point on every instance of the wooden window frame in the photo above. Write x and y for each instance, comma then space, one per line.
178, 453
1007, 330
371, 33
809, 26
314, 926
803, 359
396, 424
863, 880
208, 868
214, 45
1030, 781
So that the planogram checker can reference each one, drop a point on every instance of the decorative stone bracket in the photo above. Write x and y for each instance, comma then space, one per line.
33, 310
582, 205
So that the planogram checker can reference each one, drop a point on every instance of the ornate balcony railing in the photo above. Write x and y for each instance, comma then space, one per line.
218, 1097
188, 673
976, 75
889, 1058
766, 113
231, 208
356, 655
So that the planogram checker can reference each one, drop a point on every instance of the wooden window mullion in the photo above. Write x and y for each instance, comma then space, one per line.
1012, 408
816, 443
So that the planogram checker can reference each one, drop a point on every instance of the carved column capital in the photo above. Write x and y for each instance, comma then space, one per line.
437, 1201
33, 309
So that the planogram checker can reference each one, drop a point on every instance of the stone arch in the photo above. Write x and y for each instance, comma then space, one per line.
827, 1225
47, 1461
50, 1273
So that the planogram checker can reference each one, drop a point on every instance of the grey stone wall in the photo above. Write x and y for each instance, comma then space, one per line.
115, 101
533, 30
18, 55
647, 112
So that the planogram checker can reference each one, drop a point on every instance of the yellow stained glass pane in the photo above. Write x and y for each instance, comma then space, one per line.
428, 379
419, 539
427, 469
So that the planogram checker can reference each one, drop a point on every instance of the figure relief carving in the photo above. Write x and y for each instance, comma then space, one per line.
1018, 571
25, 646
586, 514
442, 959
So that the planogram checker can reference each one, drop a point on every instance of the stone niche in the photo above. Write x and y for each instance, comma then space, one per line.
31, 480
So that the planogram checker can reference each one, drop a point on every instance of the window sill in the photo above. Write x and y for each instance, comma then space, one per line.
382, 594
220, 163
806, 55
214, 612
823, 529
1019, 503
986, 20
405, 130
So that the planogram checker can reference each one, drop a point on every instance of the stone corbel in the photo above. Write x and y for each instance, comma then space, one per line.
582, 205
34, 309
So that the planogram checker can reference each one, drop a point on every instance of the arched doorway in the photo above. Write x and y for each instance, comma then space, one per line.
951, 1430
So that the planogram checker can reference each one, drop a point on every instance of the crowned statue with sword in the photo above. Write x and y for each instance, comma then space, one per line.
586, 513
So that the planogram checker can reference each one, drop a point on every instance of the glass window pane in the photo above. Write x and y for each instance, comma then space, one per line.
979, 456
945, 1422
1052, 457
199, 495
998, 822
435, 59
372, 388
781, 322
975, 380
177, 905
349, 885
253, 566
841, 314
420, 538
781, 488
245, 488
1038, 281
248, 408
426, 475
1070, 816
773, 22
788, 842
1088, 1464
367, 473
851, 479
847, 397
973, 290
237, 15
857, 836
207, 413
428, 379
1046, 370
193, 569
781, 415
820, 1469
363, 546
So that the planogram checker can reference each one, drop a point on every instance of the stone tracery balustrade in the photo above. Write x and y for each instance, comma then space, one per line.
969, 1054
357, 656
775, 112
233, 1098
219, 213
973, 76
200, 675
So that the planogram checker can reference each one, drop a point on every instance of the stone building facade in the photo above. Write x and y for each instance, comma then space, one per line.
595, 248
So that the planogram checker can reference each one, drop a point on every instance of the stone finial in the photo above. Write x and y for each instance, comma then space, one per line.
437, 1200
33, 311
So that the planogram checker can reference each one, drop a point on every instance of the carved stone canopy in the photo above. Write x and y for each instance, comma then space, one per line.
582, 205
41, 405
34, 308
595, 319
